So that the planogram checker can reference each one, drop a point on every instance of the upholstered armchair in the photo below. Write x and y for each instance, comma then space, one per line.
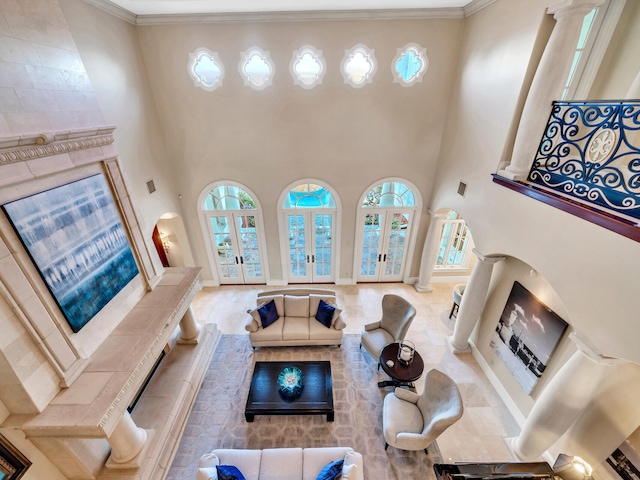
412, 422
397, 315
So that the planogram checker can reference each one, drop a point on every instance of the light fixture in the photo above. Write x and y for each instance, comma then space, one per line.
572, 468
164, 238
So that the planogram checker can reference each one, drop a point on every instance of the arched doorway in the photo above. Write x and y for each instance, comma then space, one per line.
385, 235
232, 224
309, 219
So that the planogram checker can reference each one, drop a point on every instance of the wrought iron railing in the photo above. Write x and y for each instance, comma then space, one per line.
590, 152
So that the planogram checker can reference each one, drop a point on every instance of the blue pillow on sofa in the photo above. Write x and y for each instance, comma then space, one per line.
331, 471
229, 472
268, 313
325, 313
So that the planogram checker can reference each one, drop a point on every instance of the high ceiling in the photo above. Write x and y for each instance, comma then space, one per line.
173, 7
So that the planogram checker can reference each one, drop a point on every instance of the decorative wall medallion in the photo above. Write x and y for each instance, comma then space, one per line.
601, 145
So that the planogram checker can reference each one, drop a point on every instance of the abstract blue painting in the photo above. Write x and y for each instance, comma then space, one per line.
74, 236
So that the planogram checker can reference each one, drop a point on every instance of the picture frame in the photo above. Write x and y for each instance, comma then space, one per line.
13, 464
526, 336
76, 240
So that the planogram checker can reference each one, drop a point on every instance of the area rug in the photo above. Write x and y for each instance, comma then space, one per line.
217, 418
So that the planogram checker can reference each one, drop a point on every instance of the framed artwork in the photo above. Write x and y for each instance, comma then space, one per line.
526, 336
13, 464
625, 461
78, 244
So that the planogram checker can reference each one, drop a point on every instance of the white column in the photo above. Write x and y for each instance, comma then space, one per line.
430, 251
561, 402
547, 85
189, 328
475, 294
127, 441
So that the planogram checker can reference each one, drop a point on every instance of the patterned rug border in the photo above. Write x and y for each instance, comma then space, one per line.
217, 418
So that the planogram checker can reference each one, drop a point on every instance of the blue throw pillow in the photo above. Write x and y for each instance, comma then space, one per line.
229, 472
325, 313
268, 313
331, 471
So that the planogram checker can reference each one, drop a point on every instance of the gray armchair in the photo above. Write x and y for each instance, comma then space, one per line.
412, 422
397, 315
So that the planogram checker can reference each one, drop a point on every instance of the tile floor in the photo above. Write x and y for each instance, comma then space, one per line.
479, 435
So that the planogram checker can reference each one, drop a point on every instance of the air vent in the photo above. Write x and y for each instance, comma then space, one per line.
151, 186
462, 189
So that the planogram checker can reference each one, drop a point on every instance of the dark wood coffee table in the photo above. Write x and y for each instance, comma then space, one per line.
316, 397
401, 375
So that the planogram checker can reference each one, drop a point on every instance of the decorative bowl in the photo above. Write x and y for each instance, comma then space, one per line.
290, 383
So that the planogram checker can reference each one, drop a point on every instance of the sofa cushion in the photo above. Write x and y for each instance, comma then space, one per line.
314, 459
317, 331
281, 464
279, 299
295, 306
207, 473
331, 471
247, 460
268, 313
325, 313
349, 472
314, 301
296, 328
274, 332
229, 472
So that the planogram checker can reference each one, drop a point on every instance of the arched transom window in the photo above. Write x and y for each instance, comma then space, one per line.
309, 195
390, 194
228, 197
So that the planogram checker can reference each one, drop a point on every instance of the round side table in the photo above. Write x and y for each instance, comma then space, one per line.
401, 375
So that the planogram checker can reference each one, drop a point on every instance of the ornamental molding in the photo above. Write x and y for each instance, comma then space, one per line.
30, 147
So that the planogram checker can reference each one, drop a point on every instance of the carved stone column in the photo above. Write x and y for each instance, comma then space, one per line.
562, 401
189, 328
430, 251
547, 85
127, 441
475, 294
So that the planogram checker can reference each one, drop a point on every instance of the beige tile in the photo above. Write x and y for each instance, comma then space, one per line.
63, 59
28, 122
33, 100
484, 419
85, 389
37, 31
16, 50
14, 75
9, 101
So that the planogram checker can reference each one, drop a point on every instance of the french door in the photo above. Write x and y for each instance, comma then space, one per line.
237, 248
384, 236
311, 248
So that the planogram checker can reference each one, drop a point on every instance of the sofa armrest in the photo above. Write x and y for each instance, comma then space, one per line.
339, 324
372, 326
252, 326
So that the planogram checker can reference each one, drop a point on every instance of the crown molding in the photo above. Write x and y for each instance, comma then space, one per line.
306, 16
476, 6
302, 16
113, 9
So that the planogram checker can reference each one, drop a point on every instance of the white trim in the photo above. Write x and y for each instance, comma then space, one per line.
360, 212
206, 235
115, 10
282, 227
476, 6
497, 385
370, 53
195, 55
599, 48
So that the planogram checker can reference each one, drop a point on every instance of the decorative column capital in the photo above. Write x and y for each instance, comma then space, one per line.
568, 8
491, 259
592, 354
442, 215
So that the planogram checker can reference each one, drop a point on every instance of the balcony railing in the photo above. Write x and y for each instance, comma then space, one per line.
588, 163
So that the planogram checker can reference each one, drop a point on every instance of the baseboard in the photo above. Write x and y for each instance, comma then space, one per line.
450, 279
497, 385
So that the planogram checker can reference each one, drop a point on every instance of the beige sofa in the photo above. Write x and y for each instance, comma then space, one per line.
297, 324
281, 463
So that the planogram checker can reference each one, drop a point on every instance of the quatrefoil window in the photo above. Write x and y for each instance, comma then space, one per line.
358, 66
409, 65
257, 68
206, 69
307, 67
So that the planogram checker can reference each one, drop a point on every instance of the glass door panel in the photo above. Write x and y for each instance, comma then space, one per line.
370, 245
323, 244
297, 248
396, 241
250, 258
224, 250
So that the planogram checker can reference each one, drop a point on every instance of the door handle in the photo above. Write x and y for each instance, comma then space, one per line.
385, 258
307, 258
241, 260
236, 260
379, 257
313, 259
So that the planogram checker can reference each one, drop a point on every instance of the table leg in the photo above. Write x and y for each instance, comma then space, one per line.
248, 417
330, 417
